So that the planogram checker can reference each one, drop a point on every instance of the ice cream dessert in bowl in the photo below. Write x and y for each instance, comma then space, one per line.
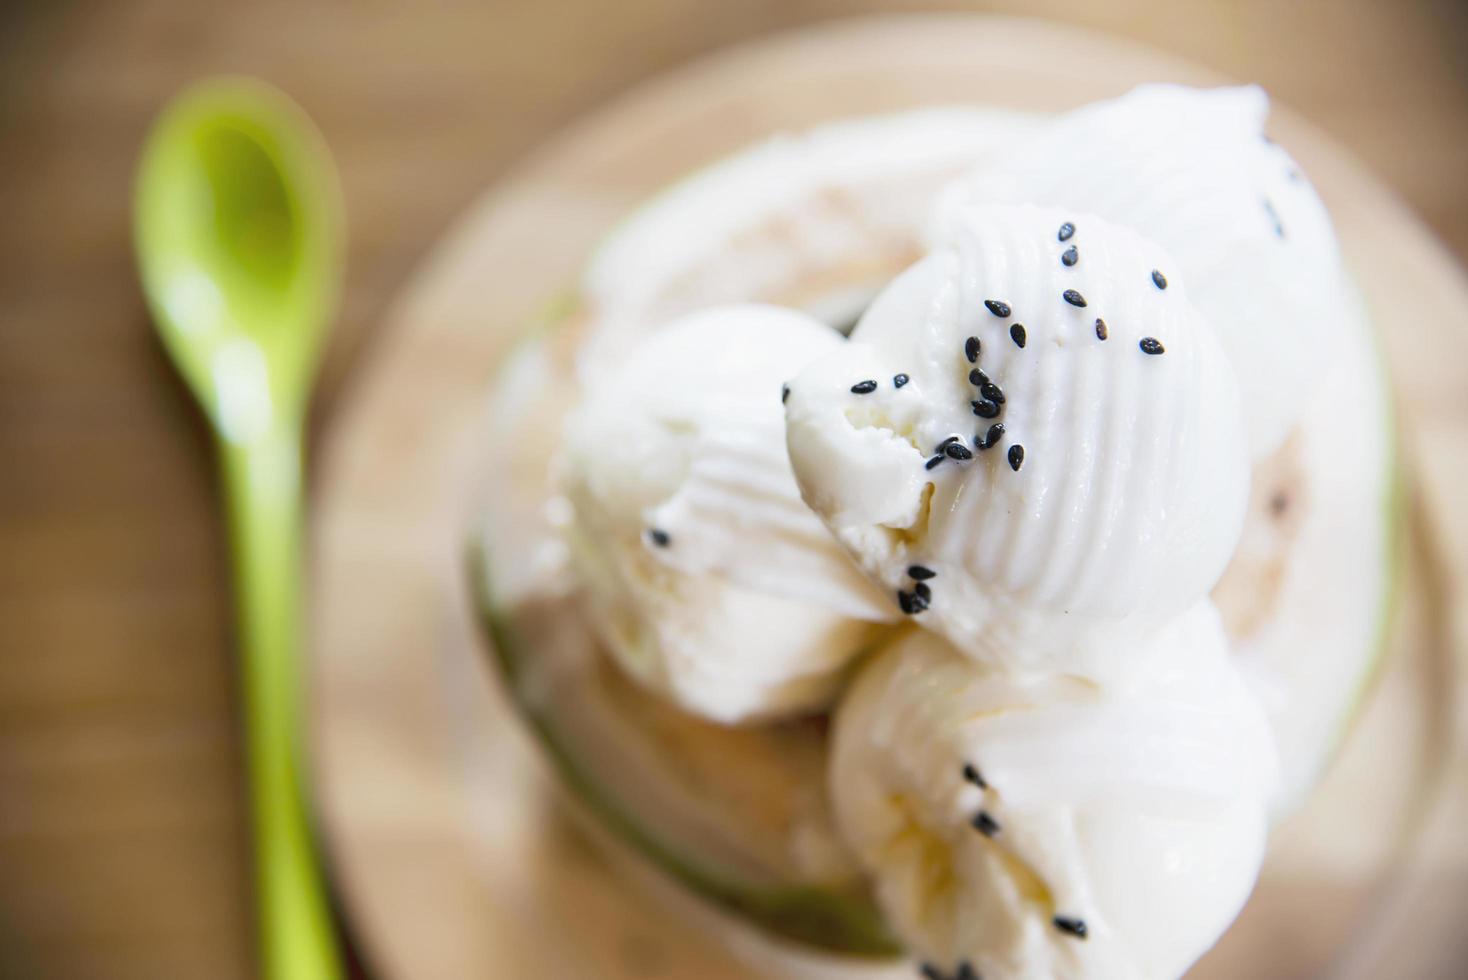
939, 540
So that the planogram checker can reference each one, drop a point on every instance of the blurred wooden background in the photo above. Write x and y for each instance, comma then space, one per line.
122, 842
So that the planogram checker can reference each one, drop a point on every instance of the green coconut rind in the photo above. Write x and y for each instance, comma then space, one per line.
821, 918
1395, 511
1395, 514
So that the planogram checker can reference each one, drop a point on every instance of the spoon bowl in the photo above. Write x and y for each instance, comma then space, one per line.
239, 229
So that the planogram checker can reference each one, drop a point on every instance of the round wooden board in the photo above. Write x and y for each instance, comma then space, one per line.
453, 859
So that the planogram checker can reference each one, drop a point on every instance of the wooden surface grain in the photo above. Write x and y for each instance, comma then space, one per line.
122, 842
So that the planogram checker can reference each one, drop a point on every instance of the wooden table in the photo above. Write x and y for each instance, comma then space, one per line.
122, 844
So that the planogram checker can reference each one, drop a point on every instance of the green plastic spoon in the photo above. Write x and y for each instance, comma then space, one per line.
238, 231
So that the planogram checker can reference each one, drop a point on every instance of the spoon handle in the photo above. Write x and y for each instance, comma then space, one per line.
262, 484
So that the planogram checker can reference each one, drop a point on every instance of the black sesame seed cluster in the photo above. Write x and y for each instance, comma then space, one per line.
982, 821
1071, 256
989, 404
870, 384
917, 599
964, 971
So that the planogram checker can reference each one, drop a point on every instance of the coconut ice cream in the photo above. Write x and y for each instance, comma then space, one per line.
1064, 465
1043, 826
709, 578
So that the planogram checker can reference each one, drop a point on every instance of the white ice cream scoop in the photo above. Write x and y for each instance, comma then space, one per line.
1037, 459
709, 578
1044, 826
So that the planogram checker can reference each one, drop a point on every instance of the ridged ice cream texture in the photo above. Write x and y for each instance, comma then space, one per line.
1191, 170
1129, 497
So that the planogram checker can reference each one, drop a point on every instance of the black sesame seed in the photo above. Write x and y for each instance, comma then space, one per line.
1066, 230
864, 387
1076, 927
1073, 298
971, 773
659, 537
933, 461
920, 572
997, 307
1017, 334
1150, 345
995, 433
784, 394
1159, 280
1016, 457
971, 349
957, 450
919, 602
946, 443
898, 380
992, 392
985, 824
985, 409
1070, 257
965, 971
1100, 329
923, 591
904, 602
977, 378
